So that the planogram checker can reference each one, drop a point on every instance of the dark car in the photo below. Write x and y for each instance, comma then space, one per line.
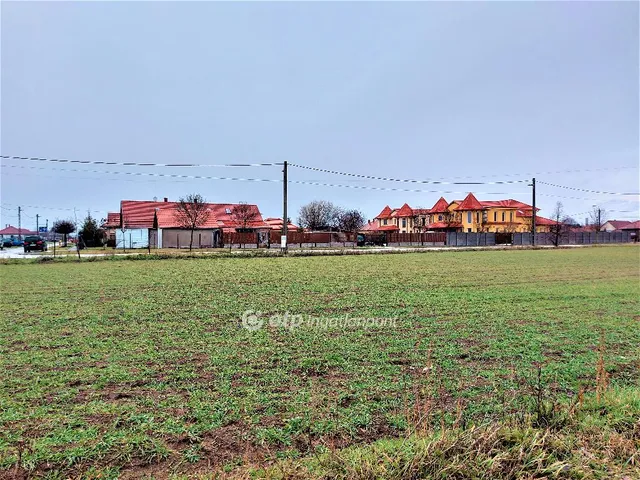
12, 242
35, 242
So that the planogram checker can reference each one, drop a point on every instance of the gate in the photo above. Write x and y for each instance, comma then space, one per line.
504, 238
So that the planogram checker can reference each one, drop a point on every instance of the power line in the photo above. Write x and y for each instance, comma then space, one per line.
563, 196
38, 206
529, 174
386, 179
391, 189
586, 190
136, 174
138, 164
298, 182
89, 177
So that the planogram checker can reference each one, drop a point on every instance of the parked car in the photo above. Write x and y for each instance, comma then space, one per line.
35, 242
11, 242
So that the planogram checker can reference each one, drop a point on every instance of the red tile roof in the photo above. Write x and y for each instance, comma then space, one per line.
113, 220
141, 214
276, 224
11, 230
618, 224
526, 213
441, 206
421, 211
436, 225
405, 211
470, 203
167, 218
510, 203
385, 213
386, 228
544, 221
370, 227
632, 226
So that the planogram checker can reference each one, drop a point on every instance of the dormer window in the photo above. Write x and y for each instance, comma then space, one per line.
227, 211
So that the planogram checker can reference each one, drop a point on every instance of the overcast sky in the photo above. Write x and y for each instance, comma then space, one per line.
403, 90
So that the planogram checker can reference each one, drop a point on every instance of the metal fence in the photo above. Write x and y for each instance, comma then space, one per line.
454, 239
573, 238
464, 239
416, 239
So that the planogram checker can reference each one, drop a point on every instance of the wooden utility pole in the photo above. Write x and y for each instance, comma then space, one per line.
37, 223
285, 223
533, 213
19, 224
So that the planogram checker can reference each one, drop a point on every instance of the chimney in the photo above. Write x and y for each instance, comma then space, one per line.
166, 199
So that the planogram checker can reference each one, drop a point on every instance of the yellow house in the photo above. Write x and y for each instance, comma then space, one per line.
496, 215
468, 215
402, 220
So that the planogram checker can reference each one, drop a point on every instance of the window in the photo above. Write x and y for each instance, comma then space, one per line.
404, 223
423, 221
384, 222
469, 217
503, 216
495, 216
439, 218
511, 216
477, 217
468, 230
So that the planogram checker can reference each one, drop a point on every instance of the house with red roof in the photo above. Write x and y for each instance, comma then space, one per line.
615, 225
110, 225
467, 215
276, 224
402, 220
11, 231
634, 228
141, 224
497, 215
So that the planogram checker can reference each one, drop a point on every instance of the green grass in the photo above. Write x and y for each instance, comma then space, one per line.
110, 367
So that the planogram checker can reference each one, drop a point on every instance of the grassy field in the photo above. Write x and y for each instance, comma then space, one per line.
133, 368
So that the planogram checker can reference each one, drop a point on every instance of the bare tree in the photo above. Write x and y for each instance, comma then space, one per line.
420, 219
319, 215
598, 217
451, 219
569, 221
192, 212
244, 214
351, 221
557, 229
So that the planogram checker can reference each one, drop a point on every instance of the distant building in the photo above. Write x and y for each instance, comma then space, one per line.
615, 225
11, 231
276, 224
141, 224
634, 228
468, 215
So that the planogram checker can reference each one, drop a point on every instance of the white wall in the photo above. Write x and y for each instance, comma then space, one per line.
132, 238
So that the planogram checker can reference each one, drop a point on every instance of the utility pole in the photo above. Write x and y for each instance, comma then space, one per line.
37, 223
285, 223
533, 213
19, 224
47, 227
